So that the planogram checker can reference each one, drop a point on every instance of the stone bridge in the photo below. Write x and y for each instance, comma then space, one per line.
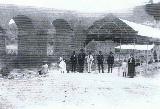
37, 28
46, 34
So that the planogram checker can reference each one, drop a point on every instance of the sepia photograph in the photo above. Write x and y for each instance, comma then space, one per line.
79, 54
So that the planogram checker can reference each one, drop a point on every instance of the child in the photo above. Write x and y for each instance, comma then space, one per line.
44, 69
62, 65
124, 68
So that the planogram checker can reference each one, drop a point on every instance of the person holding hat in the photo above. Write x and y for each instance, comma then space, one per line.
110, 62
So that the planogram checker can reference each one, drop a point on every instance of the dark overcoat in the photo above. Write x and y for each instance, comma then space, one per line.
131, 67
100, 59
110, 60
73, 59
81, 58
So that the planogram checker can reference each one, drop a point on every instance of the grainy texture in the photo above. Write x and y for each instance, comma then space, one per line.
30, 36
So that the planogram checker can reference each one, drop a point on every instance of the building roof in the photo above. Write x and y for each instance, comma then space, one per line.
135, 47
110, 27
144, 30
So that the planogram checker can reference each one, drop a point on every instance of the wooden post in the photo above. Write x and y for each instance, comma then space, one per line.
120, 51
147, 59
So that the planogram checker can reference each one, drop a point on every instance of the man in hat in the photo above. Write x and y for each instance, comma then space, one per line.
73, 61
100, 60
110, 62
81, 60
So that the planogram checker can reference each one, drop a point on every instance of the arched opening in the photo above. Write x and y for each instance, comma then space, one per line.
64, 41
25, 34
30, 41
12, 38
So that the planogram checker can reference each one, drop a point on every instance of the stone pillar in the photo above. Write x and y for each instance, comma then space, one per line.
2, 44
32, 48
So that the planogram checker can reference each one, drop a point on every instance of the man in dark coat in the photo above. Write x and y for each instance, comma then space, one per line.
110, 62
81, 60
73, 61
100, 60
131, 67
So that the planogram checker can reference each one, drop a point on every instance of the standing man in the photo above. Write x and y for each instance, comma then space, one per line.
89, 62
110, 62
81, 60
100, 60
73, 60
131, 66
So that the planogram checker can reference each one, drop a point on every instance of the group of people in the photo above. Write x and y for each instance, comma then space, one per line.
128, 68
77, 62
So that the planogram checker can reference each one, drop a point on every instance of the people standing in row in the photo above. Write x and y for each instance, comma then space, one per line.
73, 61
131, 67
100, 60
81, 60
110, 62
89, 62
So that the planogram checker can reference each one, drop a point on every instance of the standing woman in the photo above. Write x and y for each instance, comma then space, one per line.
131, 66
89, 62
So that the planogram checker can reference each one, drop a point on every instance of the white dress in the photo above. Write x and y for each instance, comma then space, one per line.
124, 67
62, 66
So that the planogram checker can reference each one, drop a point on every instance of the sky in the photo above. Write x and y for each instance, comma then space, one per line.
91, 6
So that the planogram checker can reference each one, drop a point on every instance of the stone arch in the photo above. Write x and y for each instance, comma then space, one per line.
64, 41
32, 45
61, 25
23, 23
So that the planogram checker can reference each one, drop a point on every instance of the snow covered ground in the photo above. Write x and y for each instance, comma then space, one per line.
81, 91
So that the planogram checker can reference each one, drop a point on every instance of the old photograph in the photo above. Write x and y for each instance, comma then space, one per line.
79, 54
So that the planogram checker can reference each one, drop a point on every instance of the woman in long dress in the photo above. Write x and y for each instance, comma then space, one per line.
131, 67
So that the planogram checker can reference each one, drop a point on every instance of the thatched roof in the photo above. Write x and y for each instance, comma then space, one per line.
111, 27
